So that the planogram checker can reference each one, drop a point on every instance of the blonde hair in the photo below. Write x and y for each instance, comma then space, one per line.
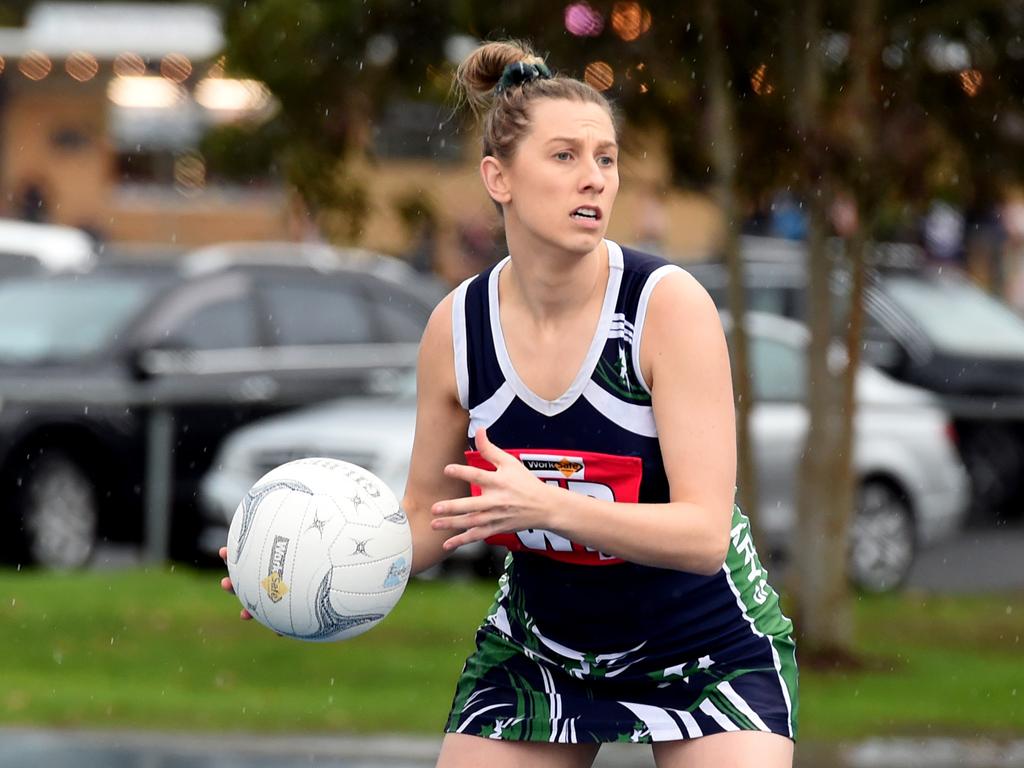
506, 115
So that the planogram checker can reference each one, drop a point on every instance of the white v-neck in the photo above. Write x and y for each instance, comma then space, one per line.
579, 383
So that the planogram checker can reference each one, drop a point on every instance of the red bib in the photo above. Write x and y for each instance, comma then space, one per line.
600, 475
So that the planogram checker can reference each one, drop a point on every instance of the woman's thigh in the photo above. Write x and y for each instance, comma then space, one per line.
736, 749
459, 750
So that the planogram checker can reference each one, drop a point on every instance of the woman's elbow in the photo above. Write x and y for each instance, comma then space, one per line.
711, 558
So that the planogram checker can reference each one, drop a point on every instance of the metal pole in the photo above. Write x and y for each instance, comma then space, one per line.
159, 479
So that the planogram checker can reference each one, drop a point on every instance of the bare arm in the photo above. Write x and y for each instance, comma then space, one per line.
441, 437
686, 363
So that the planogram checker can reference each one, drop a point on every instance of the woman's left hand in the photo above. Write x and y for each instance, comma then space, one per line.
511, 498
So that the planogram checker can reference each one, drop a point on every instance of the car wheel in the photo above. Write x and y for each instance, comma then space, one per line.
882, 538
58, 510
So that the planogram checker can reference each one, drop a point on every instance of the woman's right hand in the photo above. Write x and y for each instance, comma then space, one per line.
226, 585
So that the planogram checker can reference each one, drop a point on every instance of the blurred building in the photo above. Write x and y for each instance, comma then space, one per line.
102, 109
105, 108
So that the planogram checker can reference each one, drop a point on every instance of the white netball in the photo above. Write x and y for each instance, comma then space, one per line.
319, 550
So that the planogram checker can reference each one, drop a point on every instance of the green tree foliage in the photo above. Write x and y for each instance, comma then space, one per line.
332, 66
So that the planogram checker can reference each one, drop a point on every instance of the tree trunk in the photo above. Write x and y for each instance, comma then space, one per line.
824, 617
865, 53
722, 126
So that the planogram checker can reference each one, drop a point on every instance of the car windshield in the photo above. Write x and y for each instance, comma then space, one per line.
957, 316
52, 320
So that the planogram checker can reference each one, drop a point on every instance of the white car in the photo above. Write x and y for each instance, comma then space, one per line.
912, 487
30, 248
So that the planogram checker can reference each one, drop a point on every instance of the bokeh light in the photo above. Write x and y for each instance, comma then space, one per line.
2, 65
176, 67
35, 65
189, 173
228, 94
217, 68
583, 21
81, 66
630, 20
599, 75
970, 81
129, 65
759, 82
145, 92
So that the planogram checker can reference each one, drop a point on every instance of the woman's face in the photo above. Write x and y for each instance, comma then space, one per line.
563, 179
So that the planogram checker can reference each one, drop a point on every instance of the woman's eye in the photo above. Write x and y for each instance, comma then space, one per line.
563, 155
606, 160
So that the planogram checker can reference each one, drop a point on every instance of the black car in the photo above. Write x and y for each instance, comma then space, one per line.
117, 386
927, 325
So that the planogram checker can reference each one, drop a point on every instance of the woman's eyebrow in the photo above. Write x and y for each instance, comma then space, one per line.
577, 142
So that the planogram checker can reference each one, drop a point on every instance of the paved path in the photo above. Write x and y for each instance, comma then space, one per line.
975, 560
20, 747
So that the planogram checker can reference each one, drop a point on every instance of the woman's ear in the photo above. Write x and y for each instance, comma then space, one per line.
492, 171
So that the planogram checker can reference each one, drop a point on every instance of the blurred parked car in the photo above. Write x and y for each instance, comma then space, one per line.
94, 366
27, 248
929, 326
912, 488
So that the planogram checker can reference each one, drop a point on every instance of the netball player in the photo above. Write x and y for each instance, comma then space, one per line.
591, 385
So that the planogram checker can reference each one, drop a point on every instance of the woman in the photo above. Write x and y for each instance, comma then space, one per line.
633, 606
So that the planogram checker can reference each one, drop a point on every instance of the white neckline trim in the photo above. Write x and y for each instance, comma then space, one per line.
579, 383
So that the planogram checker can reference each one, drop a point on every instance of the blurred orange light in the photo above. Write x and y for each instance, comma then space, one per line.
644, 88
217, 68
970, 81
176, 67
35, 65
759, 83
630, 20
2, 63
599, 75
189, 173
81, 66
129, 65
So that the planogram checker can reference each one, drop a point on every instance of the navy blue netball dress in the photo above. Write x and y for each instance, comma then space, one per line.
580, 646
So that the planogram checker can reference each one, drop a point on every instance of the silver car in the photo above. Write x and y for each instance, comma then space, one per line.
912, 487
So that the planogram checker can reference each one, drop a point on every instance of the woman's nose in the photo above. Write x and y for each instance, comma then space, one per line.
593, 177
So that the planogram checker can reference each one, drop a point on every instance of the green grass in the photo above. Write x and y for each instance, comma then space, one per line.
162, 649
934, 665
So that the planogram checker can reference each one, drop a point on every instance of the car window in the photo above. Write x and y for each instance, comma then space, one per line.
778, 370
63, 319
400, 321
18, 265
957, 316
402, 316
321, 312
224, 324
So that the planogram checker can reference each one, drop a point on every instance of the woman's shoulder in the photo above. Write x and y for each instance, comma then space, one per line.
647, 275
637, 261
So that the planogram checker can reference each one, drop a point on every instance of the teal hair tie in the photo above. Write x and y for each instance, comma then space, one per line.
520, 73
